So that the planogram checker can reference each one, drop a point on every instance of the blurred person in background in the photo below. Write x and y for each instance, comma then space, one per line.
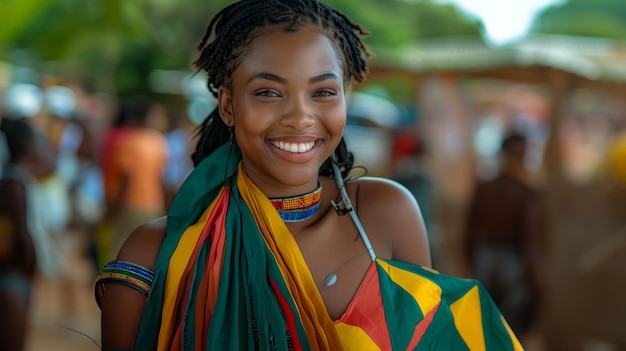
24, 242
179, 140
77, 189
4, 150
409, 170
133, 160
62, 137
617, 170
79, 130
504, 234
107, 148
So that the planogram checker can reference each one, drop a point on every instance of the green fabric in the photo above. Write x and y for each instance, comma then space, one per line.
194, 195
441, 334
402, 306
245, 261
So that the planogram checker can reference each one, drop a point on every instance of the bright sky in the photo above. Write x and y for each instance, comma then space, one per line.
504, 20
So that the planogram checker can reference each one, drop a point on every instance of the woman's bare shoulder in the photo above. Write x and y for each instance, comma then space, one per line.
143, 244
383, 194
389, 209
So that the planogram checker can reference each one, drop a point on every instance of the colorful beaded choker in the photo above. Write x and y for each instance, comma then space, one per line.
298, 208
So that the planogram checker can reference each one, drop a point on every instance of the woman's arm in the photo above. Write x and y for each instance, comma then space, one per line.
123, 307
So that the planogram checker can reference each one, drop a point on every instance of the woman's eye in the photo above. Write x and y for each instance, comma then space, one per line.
267, 93
324, 93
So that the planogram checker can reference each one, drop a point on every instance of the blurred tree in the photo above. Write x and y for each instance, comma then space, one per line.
395, 23
598, 18
115, 44
112, 43
22, 14
91, 34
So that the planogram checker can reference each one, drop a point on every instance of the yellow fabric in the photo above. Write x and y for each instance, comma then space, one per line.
177, 265
516, 344
427, 294
468, 319
359, 340
318, 325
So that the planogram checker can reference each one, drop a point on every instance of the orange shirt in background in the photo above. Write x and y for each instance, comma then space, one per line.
140, 154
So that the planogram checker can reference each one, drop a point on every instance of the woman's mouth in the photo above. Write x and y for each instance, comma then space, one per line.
293, 147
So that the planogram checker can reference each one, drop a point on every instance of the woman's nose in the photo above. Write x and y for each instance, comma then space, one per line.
299, 114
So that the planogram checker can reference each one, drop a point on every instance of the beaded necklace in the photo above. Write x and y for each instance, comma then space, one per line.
298, 208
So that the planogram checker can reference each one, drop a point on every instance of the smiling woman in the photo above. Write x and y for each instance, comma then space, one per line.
263, 248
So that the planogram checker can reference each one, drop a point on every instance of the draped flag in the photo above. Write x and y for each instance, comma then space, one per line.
230, 276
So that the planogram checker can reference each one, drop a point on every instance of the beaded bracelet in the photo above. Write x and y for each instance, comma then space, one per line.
126, 273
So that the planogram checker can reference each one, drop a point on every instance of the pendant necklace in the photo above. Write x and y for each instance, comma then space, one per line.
300, 208
331, 279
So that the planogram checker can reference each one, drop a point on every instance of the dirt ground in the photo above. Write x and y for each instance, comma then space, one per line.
64, 314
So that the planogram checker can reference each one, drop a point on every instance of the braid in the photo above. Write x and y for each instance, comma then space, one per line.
231, 31
352, 47
213, 133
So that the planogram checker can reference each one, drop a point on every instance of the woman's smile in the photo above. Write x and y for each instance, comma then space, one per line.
293, 147
295, 152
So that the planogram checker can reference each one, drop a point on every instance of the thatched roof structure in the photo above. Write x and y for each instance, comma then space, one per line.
592, 63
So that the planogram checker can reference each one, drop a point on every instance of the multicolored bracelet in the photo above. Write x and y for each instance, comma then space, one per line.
126, 273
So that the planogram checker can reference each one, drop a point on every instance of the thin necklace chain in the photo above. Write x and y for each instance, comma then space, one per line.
331, 279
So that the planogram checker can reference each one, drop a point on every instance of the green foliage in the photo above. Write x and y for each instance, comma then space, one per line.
68, 28
394, 23
18, 16
597, 18
115, 44
437, 20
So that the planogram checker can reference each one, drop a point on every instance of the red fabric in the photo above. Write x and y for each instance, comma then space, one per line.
421, 327
370, 314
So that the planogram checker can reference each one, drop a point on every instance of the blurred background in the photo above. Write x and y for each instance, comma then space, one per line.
448, 82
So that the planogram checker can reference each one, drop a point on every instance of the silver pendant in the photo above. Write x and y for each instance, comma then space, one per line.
331, 279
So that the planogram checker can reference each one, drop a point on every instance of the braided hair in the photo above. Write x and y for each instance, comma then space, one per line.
231, 32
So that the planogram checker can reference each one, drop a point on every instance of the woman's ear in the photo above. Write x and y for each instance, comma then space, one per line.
225, 106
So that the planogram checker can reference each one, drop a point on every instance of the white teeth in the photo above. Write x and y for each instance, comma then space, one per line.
294, 147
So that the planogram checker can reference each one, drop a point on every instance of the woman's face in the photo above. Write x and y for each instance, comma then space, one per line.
288, 108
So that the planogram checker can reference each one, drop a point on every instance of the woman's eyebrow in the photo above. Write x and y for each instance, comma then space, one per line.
323, 77
275, 78
267, 76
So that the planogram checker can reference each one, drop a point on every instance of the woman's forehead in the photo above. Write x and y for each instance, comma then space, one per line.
306, 49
